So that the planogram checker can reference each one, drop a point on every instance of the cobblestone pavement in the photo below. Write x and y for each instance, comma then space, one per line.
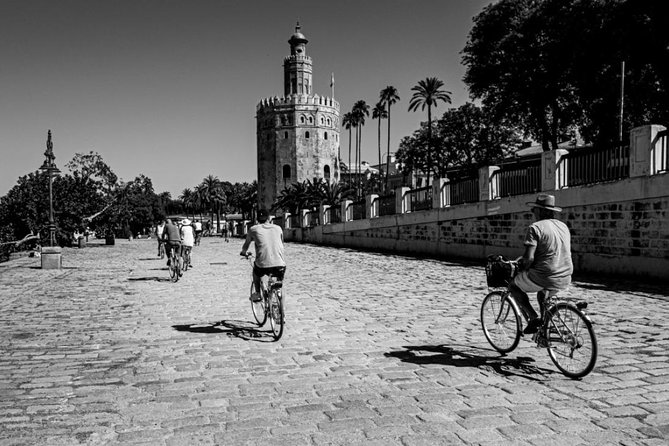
378, 349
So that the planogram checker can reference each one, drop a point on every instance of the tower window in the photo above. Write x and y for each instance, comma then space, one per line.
326, 172
311, 120
325, 135
285, 135
286, 171
306, 135
329, 121
301, 119
321, 120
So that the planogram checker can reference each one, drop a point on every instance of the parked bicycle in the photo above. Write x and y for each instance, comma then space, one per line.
566, 330
270, 304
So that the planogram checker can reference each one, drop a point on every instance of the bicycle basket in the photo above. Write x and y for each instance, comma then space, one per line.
499, 271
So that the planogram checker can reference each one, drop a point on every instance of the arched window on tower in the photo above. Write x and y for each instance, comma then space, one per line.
311, 119
306, 135
285, 135
301, 119
321, 120
325, 135
306, 86
326, 172
286, 172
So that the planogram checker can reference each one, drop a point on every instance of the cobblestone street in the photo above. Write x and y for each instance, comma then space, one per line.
378, 349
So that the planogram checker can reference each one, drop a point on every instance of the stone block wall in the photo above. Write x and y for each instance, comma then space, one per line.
617, 228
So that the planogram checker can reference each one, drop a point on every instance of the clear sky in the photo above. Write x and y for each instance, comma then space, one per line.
168, 88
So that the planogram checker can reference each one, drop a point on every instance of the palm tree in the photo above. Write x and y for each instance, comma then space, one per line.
347, 122
427, 93
210, 188
188, 198
379, 112
389, 96
360, 110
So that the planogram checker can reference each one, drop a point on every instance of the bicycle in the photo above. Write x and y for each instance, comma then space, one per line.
174, 266
186, 257
161, 249
270, 304
566, 330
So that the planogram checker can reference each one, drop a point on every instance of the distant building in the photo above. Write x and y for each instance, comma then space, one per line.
297, 134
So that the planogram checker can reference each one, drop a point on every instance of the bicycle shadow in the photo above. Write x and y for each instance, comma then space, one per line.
246, 330
440, 354
146, 279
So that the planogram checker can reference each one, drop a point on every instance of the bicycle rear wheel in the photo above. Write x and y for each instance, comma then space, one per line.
174, 268
276, 316
571, 340
500, 321
259, 308
186, 259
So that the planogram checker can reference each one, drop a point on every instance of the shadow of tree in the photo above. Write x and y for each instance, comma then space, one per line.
240, 329
444, 355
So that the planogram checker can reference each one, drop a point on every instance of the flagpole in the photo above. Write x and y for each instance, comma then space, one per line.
332, 85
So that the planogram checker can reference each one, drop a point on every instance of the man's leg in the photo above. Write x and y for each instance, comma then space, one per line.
256, 284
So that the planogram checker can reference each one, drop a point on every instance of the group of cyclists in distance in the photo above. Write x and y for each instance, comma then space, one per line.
181, 236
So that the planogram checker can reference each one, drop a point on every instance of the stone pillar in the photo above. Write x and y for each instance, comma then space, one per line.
372, 205
51, 257
303, 218
245, 227
486, 189
400, 200
642, 153
441, 197
553, 170
346, 211
286, 220
325, 214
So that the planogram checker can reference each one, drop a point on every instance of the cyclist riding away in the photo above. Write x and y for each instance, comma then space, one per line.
546, 263
268, 239
187, 240
172, 239
160, 228
198, 231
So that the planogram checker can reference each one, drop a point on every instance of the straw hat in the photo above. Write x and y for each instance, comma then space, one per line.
545, 201
185, 222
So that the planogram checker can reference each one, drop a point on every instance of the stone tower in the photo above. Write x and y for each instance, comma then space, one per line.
298, 133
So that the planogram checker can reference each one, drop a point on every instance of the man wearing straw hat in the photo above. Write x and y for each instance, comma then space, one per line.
546, 263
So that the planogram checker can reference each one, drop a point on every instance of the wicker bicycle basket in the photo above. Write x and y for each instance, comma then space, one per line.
499, 271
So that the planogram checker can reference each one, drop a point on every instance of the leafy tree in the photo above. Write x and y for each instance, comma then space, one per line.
428, 93
389, 96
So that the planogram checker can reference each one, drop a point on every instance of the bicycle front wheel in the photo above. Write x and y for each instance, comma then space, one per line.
571, 341
259, 308
276, 316
500, 321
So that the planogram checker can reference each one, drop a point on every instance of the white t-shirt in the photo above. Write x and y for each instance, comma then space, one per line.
187, 235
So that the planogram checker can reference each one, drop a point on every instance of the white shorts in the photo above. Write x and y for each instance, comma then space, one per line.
522, 281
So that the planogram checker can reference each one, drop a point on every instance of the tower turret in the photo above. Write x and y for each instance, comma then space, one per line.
297, 68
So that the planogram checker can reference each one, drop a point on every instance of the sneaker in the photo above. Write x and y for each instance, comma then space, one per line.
255, 297
532, 326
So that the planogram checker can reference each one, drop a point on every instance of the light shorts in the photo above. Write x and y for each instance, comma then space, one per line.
523, 282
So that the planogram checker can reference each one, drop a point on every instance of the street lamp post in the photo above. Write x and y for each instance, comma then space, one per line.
51, 257
50, 167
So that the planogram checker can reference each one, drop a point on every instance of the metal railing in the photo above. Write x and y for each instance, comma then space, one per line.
593, 165
335, 214
312, 219
295, 221
464, 191
659, 154
358, 210
420, 199
517, 179
386, 204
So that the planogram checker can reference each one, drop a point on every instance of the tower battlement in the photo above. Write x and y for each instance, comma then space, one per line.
275, 101
297, 58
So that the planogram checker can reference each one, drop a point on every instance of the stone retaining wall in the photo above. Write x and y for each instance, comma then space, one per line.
617, 228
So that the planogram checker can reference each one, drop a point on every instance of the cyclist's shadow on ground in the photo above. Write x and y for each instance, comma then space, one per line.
240, 329
441, 354
162, 278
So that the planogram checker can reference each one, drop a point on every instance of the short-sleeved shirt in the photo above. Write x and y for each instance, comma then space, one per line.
187, 235
198, 226
552, 267
171, 233
268, 239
